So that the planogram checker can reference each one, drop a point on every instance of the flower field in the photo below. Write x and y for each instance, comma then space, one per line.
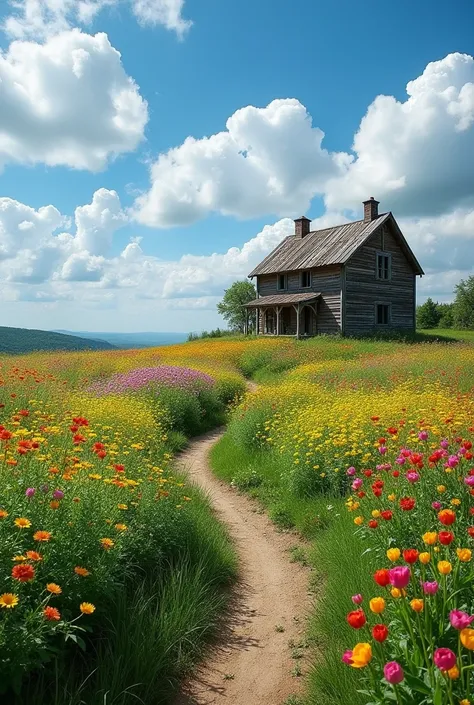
380, 446
94, 522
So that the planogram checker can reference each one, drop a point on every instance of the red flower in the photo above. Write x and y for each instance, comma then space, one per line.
101, 454
386, 514
51, 614
119, 468
410, 555
382, 441
78, 438
377, 492
382, 577
447, 517
407, 503
374, 418
372, 524
468, 455
98, 446
368, 473
467, 444
392, 430
380, 632
356, 619
361, 494
396, 473
446, 537
470, 531
23, 572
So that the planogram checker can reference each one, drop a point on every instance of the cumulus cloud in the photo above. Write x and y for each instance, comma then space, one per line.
417, 153
39, 19
68, 102
268, 160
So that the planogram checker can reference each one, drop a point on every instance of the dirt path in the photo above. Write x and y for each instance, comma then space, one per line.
253, 664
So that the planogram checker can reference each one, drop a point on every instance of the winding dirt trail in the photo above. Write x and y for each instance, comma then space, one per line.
252, 664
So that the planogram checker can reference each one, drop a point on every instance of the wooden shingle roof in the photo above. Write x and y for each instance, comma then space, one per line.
320, 248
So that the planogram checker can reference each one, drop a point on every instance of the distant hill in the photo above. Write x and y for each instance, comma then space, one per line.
132, 340
23, 340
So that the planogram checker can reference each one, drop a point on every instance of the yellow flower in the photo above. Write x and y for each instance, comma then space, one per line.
441, 488
121, 527
377, 605
391, 497
19, 559
122, 506
81, 571
23, 523
424, 557
417, 605
467, 638
396, 592
393, 554
465, 702
53, 588
358, 521
430, 538
455, 502
87, 607
445, 567
464, 554
8, 600
107, 543
375, 513
453, 673
361, 655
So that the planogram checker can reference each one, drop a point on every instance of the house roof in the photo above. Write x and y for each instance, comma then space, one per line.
335, 245
281, 299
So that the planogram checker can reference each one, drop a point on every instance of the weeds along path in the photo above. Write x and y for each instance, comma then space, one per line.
252, 663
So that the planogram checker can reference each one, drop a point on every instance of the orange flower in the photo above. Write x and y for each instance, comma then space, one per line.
22, 523
51, 614
54, 589
23, 572
54, 504
8, 600
106, 543
81, 571
447, 517
121, 527
42, 535
3, 514
87, 607
34, 556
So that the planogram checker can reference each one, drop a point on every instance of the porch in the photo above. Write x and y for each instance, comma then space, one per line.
292, 315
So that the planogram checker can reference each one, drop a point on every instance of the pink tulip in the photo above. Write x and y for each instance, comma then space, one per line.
357, 599
412, 476
400, 460
382, 450
430, 588
399, 577
469, 480
444, 659
423, 435
351, 471
347, 657
357, 484
460, 620
453, 460
393, 672
444, 443
436, 505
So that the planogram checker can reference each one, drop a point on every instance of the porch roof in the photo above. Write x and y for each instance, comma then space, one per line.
282, 299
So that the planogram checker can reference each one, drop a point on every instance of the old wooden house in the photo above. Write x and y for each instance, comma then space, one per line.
354, 278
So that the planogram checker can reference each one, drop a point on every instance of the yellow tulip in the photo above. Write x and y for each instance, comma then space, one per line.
358, 521
445, 567
464, 554
393, 554
430, 538
377, 605
361, 655
467, 638
424, 558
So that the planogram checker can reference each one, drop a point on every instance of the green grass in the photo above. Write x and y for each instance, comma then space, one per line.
448, 333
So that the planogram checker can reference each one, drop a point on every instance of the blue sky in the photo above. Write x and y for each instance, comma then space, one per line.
333, 58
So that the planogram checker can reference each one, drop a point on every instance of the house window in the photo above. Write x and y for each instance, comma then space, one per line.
305, 280
383, 269
281, 282
382, 314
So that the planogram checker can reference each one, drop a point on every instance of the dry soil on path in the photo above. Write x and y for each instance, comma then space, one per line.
252, 664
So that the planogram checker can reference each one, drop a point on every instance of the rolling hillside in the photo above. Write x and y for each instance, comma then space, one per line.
23, 340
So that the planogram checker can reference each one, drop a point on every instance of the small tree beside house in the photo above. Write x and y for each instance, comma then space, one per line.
232, 307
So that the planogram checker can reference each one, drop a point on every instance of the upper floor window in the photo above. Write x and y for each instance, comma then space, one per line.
305, 280
382, 314
383, 266
281, 282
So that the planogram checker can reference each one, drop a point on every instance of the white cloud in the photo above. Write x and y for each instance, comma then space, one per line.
416, 154
269, 160
40, 19
68, 102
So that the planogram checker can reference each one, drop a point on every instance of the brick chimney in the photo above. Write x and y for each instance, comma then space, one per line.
371, 209
302, 226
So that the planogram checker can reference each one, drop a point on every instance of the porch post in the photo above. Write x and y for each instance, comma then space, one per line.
257, 321
278, 309
298, 322
246, 324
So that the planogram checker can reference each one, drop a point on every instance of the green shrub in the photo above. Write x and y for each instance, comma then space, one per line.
246, 427
246, 478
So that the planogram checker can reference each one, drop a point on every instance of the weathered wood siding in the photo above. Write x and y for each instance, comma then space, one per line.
362, 290
326, 281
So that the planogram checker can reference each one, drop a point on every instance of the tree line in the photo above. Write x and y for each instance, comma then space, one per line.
458, 315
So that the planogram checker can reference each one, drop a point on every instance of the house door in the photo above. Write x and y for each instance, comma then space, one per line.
270, 321
308, 321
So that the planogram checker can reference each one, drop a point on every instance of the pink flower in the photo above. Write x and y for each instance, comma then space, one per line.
393, 672
351, 471
453, 460
412, 476
436, 505
462, 451
357, 599
357, 483
382, 450
58, 494
469, 480
31, 490
430, 588
400, 460
423, 435
444, 659
460, 620
347, 657
399, 577
444, 443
